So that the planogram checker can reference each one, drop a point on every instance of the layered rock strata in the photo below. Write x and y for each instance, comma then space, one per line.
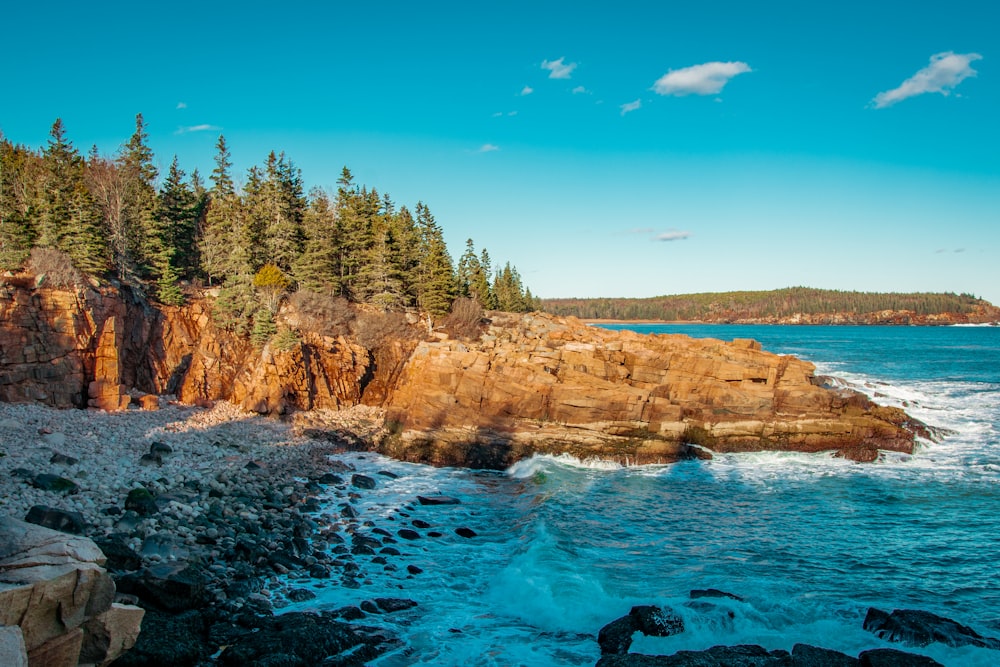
550, 385
529, 384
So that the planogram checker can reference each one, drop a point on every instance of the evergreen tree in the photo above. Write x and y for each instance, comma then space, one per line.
174, 224
435, 273
220, 217
481, 282
509, 291
317, 268
68, 218
135, 161
20, 176
282, 206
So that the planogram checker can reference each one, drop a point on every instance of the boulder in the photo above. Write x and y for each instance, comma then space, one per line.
616, 637
172, 587
804, 655
890, 657
438, 500
717, 656
53, 586
914, 627
49, 482
111, 634
12, 651
62, 520
362, 481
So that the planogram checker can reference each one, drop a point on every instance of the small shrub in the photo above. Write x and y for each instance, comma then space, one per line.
375, 329
264, 327
56, 267
322, 313
465, 320
286, 339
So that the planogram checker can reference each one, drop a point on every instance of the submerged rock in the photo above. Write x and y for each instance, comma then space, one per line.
914, 627
717, 656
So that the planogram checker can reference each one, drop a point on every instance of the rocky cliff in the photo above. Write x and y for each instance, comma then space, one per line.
529, 384
543, 384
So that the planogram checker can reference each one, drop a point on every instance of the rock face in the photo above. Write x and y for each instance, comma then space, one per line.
530, 384
550, 385
99, 347
53, 588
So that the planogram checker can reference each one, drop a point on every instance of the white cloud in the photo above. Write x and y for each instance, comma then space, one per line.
498, 114
704, 79
182, 105
527, 90
630, 106
488, 148
558, 69
672, 235
198, 128
579, 90
945, 71
511, 113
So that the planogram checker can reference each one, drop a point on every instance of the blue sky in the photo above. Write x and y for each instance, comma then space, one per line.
605, 149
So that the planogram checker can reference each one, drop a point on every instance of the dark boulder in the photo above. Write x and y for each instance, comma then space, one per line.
63, 459
713, 593
170, 586
303, 640
160, 448
56, 519
389, 605
48, 482
717, 656
467, 533
438, 500
656, 622
615, 638
914, 627
890, 657
804, 655
300, 595
168, 640
121, 557
330, 478
408, 534
362, 481
141, 501
389, 474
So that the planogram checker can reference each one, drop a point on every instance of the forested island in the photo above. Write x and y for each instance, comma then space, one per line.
794, 305
65, 216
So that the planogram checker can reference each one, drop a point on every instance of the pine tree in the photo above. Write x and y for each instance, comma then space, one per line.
68, 219
20, 178
173, 227
481, 282
317, 269
281, 205
435, 273
135, 161
221, 211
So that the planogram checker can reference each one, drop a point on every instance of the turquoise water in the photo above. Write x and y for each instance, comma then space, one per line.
808, 541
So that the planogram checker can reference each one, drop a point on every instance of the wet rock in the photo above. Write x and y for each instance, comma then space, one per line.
330, 478
890, 657
362, 481
49, 482
914, 627
56, 519
390, 475
390, 605
63, 459
408, 534
121, 557
171, 587
350, 613
370, 607
168, 640
615, 638
413, 569
417, 523
467, 533
804, 655
714, 593
656, 622
298, 639
348, 512
160, 448
300, 595
141, 501
717, 656
438, 500
150, 460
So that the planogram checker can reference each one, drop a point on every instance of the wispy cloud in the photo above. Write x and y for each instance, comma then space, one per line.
182, 105
580, 90
198, 128
672, 235
558, 69
945, 71
704, 79
488, 148
527, 90
630, 106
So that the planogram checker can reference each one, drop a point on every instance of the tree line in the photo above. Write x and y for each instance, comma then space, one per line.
745, 305
113, 216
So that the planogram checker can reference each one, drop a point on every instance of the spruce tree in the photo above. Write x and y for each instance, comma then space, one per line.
221, 211
435, 273
173, 228
317, 269
135, 161
20, 180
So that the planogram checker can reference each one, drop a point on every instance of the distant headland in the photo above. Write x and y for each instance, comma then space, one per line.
793, 305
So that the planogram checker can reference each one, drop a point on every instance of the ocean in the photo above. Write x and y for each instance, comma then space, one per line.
808, 542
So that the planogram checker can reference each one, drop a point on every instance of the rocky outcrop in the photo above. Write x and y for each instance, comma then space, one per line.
55, 592
105, 347
544, 384
529, 384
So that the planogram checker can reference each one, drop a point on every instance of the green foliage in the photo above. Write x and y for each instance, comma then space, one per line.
735, 306
234, 308
264, 327
286, 339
